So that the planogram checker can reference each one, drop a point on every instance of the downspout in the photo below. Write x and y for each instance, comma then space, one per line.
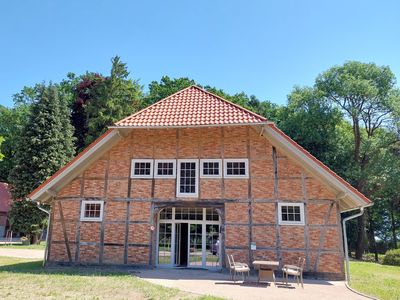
346, 248
47, 233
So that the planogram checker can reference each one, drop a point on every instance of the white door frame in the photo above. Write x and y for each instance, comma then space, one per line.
173, 222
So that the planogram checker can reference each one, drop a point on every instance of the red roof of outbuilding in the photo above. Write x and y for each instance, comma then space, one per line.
5, 197
192, 106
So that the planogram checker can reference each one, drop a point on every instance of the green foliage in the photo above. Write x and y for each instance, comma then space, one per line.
165, 88
11, 122
101, 101
25, 217
313, 123
392, 257
45, 144
1, 154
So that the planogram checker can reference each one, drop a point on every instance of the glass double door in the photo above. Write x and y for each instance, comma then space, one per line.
186, 243
196, 245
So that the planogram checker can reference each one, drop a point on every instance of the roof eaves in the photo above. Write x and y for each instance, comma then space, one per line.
35, 194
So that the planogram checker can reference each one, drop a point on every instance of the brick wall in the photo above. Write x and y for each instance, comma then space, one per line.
250, 205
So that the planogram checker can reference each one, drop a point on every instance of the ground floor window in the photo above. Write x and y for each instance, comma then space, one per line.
291, 213
92, 210
189, 237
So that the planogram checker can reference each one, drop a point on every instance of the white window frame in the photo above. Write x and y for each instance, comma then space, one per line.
245, 160
92, 219
156, 161
134, 161
178, 180
211, 160
282, 222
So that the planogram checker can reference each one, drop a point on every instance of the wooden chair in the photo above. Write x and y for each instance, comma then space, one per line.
237, 267
296, 271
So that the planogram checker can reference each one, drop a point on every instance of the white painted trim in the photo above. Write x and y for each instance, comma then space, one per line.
204, 222
212, 160
74, 165
300, 205
156, 161
245, 160
178, 180
134, 161
88, 219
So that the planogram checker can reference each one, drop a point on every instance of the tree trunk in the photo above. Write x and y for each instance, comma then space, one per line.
371, 237
357, 139
360, 237
361, 220
394, 237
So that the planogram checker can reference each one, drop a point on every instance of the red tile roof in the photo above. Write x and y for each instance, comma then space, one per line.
192, 106
5, 197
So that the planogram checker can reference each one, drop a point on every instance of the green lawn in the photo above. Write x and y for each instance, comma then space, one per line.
41, 246
375, 280
24, 278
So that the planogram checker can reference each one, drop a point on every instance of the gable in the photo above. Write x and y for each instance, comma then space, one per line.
190, 110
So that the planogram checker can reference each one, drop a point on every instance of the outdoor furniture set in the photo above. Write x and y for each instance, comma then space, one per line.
266, 270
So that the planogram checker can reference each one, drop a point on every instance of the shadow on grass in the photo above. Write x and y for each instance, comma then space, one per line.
36, 267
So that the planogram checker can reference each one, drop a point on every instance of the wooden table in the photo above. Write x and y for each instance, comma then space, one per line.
266, 269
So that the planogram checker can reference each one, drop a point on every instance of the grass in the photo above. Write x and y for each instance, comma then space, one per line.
24, 278
375, 280
41, 246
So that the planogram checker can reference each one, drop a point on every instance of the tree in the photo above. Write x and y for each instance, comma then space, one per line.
313, 123
25, 217
366, 94
165, 88
1, 142
101, 101
12, 120
45, 145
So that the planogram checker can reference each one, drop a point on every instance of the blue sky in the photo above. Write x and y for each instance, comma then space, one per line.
259, 47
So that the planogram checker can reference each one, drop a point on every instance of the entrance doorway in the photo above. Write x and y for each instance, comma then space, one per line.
189, 237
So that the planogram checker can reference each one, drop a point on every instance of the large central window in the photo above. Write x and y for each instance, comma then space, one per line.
188, 178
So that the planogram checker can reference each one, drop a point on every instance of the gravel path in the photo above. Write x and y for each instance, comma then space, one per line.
22, 253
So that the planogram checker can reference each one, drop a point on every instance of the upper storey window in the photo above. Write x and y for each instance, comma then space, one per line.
236, 168
165, 168
211, 168
142, 168
188, 179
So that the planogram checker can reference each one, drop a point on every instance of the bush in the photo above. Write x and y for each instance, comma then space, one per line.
392, 257
370, 257
25, 241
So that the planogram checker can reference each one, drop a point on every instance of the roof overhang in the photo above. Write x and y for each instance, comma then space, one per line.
349, 198
191, 126
74, 168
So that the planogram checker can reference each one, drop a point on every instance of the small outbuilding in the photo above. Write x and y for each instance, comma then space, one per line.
5, 202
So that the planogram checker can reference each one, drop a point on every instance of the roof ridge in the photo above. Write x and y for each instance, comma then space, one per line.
155, 103
199, 89
230, 102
